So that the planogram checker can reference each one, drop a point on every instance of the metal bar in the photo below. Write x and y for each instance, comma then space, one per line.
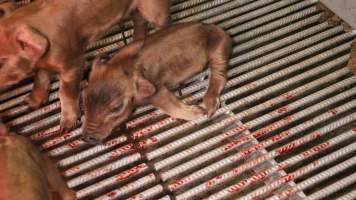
248, 125
114, 154
99, 186
303, 170
348, 196
103, 170
273, 25
238, 18
148, 194
283, 42
277, 33
126, 189
215, 153
270, 17
88, 152
20, 99
277, 152
244, 153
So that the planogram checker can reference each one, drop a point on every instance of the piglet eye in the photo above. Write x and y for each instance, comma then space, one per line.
117, 108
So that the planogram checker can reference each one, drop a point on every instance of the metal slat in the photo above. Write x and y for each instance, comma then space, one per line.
301, 171
321, 194
247, 151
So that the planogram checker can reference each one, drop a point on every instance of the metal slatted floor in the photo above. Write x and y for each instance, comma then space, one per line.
286, 128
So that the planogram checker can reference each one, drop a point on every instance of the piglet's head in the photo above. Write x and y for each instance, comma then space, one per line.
21, 47
112, 93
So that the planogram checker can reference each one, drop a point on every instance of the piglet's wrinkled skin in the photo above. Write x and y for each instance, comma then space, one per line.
144, 71
51, 35
25, 173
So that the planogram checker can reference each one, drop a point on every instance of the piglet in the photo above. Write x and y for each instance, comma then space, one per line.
26, 173
144, 72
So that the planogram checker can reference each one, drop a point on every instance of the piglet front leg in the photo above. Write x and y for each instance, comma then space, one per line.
170, 104
40, 91
217, 76
156, 12
69, 93
140, 26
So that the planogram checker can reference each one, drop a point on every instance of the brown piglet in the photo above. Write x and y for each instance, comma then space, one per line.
144, 72
26, 173
49, 36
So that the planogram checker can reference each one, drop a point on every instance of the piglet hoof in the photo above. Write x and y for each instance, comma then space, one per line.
193, 112
34, 102
211, 105
68, 125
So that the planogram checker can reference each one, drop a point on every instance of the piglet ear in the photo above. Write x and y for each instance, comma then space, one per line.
144, 88
30, 43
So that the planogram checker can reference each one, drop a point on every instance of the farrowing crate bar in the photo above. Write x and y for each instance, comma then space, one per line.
286, 128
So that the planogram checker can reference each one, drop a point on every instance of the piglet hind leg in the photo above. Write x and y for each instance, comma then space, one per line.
217, 81
219, 52
69, 93
40, 91
170, 104
156, 12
